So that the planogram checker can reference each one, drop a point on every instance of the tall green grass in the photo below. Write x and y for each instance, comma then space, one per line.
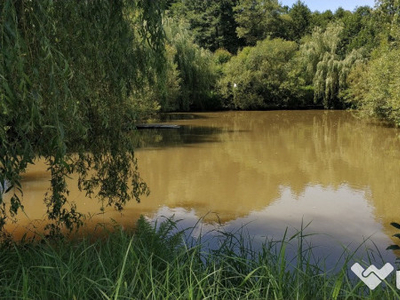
155, 262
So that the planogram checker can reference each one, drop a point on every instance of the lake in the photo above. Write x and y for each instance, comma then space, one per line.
261, 172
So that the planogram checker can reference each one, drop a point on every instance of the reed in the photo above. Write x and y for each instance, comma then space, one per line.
157, 262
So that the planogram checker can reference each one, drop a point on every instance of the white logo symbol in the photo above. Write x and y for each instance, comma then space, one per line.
372, 276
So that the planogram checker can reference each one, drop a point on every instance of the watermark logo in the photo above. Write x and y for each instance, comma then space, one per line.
372, 276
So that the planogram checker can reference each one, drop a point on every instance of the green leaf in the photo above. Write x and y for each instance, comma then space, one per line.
393, 247
396, 225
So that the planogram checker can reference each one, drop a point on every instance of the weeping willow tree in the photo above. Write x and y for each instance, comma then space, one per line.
193, 68
324, 68
68, 75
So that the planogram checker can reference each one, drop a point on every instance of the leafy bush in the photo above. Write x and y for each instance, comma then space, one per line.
260, 76
375, 89
222, 56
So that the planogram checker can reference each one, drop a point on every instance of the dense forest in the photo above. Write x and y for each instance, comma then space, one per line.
75, 77
256, 54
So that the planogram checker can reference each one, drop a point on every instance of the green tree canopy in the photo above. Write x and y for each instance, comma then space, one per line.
259, 19
212, 22
375, 89
258, 77
321, 19
388, 16
359, 30
300, 21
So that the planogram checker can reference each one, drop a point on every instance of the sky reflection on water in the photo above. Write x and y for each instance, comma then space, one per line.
330, 222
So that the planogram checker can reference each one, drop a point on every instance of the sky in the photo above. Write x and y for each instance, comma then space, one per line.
323, 5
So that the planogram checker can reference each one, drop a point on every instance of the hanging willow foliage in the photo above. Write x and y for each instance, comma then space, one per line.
67, 73
195, 72
324, 67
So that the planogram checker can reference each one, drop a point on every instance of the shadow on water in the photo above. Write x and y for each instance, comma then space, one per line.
182, 136
168, 117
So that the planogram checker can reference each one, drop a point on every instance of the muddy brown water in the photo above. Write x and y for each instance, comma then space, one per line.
267, 171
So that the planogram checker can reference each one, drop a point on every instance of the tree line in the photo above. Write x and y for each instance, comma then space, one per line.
256, 54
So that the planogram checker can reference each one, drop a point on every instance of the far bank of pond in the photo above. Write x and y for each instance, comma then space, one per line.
266, 171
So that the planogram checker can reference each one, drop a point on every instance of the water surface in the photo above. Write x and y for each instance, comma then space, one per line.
266, 170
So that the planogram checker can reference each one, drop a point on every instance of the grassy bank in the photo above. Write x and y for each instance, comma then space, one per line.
156, 264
